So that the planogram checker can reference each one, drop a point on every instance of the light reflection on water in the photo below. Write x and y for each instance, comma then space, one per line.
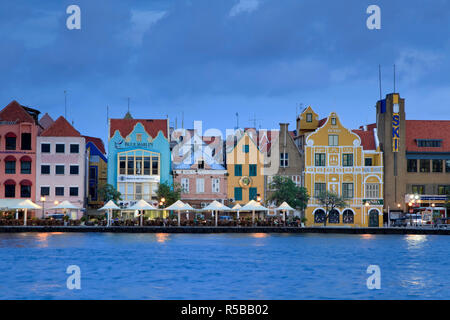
223, 266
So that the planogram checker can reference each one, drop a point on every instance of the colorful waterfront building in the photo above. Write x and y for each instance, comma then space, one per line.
97, 171
60, 167
18, 131
416, 160
346, 162
195, 167
245, 166
286, 159
138, 157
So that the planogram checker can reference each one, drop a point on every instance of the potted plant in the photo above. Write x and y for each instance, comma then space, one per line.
303, 221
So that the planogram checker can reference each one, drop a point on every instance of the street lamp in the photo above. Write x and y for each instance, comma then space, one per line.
43, 206
258, 198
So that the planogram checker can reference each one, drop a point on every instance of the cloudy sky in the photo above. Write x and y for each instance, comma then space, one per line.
210, 59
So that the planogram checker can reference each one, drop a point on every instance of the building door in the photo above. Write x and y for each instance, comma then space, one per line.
373, 218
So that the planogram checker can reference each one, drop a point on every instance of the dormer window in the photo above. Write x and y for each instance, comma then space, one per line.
333, 121
309, 117
201, 164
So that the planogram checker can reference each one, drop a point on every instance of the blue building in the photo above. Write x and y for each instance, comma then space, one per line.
138, 157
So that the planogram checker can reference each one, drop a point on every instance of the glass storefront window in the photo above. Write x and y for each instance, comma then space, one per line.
437, 166
138, 163
425, 165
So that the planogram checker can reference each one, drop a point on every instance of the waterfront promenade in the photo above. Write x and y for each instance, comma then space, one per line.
171, 229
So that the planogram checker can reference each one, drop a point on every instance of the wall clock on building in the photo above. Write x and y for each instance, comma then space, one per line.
245, 182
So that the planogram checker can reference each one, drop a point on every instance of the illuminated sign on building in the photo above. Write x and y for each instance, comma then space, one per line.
395, 125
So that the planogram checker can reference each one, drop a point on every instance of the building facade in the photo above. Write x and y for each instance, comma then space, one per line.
60, 166
286, 159
138, 157
97, 171
18, 131
245, 166
348, 163
202, 178
416, 158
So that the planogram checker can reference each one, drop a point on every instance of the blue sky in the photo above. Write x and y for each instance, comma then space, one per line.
213, 58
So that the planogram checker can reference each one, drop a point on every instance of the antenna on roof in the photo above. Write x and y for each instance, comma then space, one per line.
394, 78
254, 121
128, 104
237, 120
65, 104
107, 114
182, 119
379, 78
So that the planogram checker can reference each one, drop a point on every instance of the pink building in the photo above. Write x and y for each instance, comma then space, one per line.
60, 166
202, 177
18, 131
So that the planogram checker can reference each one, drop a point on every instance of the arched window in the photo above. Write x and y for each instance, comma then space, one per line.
348, 217
10, 165
319, 216
25, 188
10, 188
10, 141
25, 165
333, 217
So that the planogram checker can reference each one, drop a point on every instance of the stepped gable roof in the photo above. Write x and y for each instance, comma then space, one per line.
427, 130
97, 142
126, 126
16, 112
60, 128
46, 121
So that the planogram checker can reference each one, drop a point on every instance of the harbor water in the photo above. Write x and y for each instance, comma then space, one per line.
223, 266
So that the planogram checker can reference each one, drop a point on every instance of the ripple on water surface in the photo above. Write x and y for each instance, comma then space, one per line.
223, 266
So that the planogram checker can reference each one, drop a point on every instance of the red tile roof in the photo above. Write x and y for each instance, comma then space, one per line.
126, 126
46, 121
322, 122
367, 139
427, 129
97, 142
61, 128
370, 127
15, 112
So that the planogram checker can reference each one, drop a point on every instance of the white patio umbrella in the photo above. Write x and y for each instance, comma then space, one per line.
66, 205
253, 206
109, 207
284, 207
26, 204
237, 208
142, 205
216, 206
179, 206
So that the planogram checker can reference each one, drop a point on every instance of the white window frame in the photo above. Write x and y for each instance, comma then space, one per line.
333, 142
284, 159
185, 185
372, 190
215, 185
200, 185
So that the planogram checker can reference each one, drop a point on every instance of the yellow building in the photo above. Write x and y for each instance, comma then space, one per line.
245, 166
346, 162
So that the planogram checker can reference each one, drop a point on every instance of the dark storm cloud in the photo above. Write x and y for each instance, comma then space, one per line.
164, 52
